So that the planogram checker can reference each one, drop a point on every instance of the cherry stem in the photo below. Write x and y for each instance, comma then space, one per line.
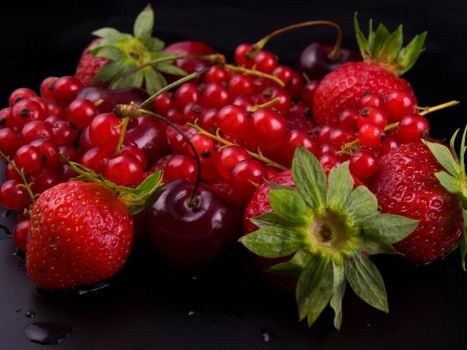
213, 58
347, 148
20, 173
133, 111
255, 73
124, 127
265, 105
334, 55
258, 156
172, 85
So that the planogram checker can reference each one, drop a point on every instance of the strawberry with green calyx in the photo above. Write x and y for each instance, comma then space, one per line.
81, 232
124, 52
330, 228
453, 178
385, 59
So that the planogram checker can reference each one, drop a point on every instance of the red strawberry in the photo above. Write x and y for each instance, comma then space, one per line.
384, 60
89, 65
406, 184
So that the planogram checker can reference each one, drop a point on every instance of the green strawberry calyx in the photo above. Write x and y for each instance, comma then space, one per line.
329, 229
454, 178
385, 48
137, 199
135, 54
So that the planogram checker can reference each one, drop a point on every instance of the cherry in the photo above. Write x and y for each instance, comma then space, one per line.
104, 131
399, 104
28, 158
65, 89
240, 84
241, 55
233, 121
19, 95
308, 93
45, 87
95, 159
192, 48
81, 112
10, 141
348, 119
229, 157
13, 195
215, 96
246, 176
186, 93
412, 127
370, 135
315, 61
107, 99
162, 103
268, 127
124, 170
363, 164
180, 167
372, 115
20, 235
265, 61
190, 234
370, 100
36, 129
63, 133
217, 74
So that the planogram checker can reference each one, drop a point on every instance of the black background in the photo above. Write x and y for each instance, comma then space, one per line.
148, 306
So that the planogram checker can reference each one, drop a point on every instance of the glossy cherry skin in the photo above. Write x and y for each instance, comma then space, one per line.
148, 135
195, 48
315, 63
111, 98
187, 236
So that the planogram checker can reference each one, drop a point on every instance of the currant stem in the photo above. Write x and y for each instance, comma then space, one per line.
20, 173
427, 110
334, 55
258, 156
255, 73
172, 85
124, 126
265, 105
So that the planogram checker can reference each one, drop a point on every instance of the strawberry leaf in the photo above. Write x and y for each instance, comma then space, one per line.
389, 228
361, 204
444, 156
309, 178
314, 288
144, 23
372, 247
109, 33
292, 267
274, 242
290, 207
409, 55
171, 69
338, 291
463, 242
269, 219
366, 281
109, 72
340, 184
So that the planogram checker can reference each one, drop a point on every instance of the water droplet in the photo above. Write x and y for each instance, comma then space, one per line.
47, 333
18, 310
86, 290
195, 278
194, 313
269, 334
30, 314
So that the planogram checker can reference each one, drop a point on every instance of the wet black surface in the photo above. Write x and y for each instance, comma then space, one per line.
230, 306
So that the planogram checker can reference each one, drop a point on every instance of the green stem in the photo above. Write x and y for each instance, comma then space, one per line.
20, 173
265, 105
255, 73
124, 126
427, 110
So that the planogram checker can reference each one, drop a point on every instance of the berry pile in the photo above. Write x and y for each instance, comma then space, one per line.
328, 163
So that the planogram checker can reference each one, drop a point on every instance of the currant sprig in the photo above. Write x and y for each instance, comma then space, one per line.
329, 228
24, 182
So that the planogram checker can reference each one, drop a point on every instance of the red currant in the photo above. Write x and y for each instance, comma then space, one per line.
217, 74
124, 170
265, 61
28, 158
104, 131
20, 235
294, 83
13, 195
176, 116
180, 167
340, 136
70, 153
46, 85
43, 180
308, 93
35, 130
233, 121
203, 145
10, 141
388, 144
372, 115
81, 112
370, 100
399, 104
240, 84
244, 102
215, 96
95, 159
229, 157
49, 153
185, 94
241, 56
370, 135
163, 103
65, 89
412, 127
63, 133
270, 93
85, 142
268, 127
208, 120
295, 138
348, 119
246, 176
25, 111
363, 164
137, 153
19, 95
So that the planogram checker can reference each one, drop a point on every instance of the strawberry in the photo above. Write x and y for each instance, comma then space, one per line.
324, 230
384, 61
406, 185
121, 60
81, 232
89, 65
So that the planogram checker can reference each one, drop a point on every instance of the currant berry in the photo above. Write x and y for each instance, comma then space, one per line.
295, 138
217, 74
244, 102
272, 92
327, 148
341, 136
13, 195
203, 145
46, 85
328, 161
41, 102
137, 153
268, 127
192, 112
180, 167
208, 120
70, 153
370, 135
163, 103
348, 119
363, 164
85, 143
412, 127
63, 133
176, 141
65, 89
399, 104
241, 56
56, 110
228, 158
81, 112
323, 134
388, 144
240, 84
43, 179
95, 159
20, 235
370, 100
308, 93
175, 116
49, 153
28, 158
215, 96
25, 111
104, 131
10, 141
124, 170
233, 121
19, 95
246, 176
35, 130
11, 173
265, 61
294, 83
372, 115
185, 94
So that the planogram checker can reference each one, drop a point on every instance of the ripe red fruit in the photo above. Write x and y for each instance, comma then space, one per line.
240, 84
28, 158
246, 176
81, 112
399, 104
267, 127
45, 87
20, 235
233, 121
406, 185
192, 48
25, 111
372, 115
95, 159
295, 138
229, 157
215, 96
411, 128
308, 93
124, 170
13, 195
363, 164
65, 89
104, 131
241, 57
19, 95
80, 234
180, 167
370, 135
265, 61
35, 130
10, 141
89, 65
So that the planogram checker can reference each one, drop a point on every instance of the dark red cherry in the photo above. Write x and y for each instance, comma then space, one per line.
194, 48
315, 62
191, 235
108, 99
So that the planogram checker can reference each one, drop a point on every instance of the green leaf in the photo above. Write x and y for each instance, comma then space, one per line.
290, 206
169, 68
153, 80
463, 243
153, 44
361, 39
314, 288
340, 184
452, 141
109, 33
410, 54
144, 23
269, 219
109, 52
310, 178
292, 267
338, 291
138, 198
109, 72
133, 80
463, 150
361, 204
389, 228
381, 35
366, 281
372, 247
273, 242
393, 45
275, 186
444, 156
450, 183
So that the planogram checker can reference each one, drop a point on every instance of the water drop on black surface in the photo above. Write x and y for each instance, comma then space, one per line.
194, 313
47, 333
30, 314
18, 310
81, 291
269, 334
